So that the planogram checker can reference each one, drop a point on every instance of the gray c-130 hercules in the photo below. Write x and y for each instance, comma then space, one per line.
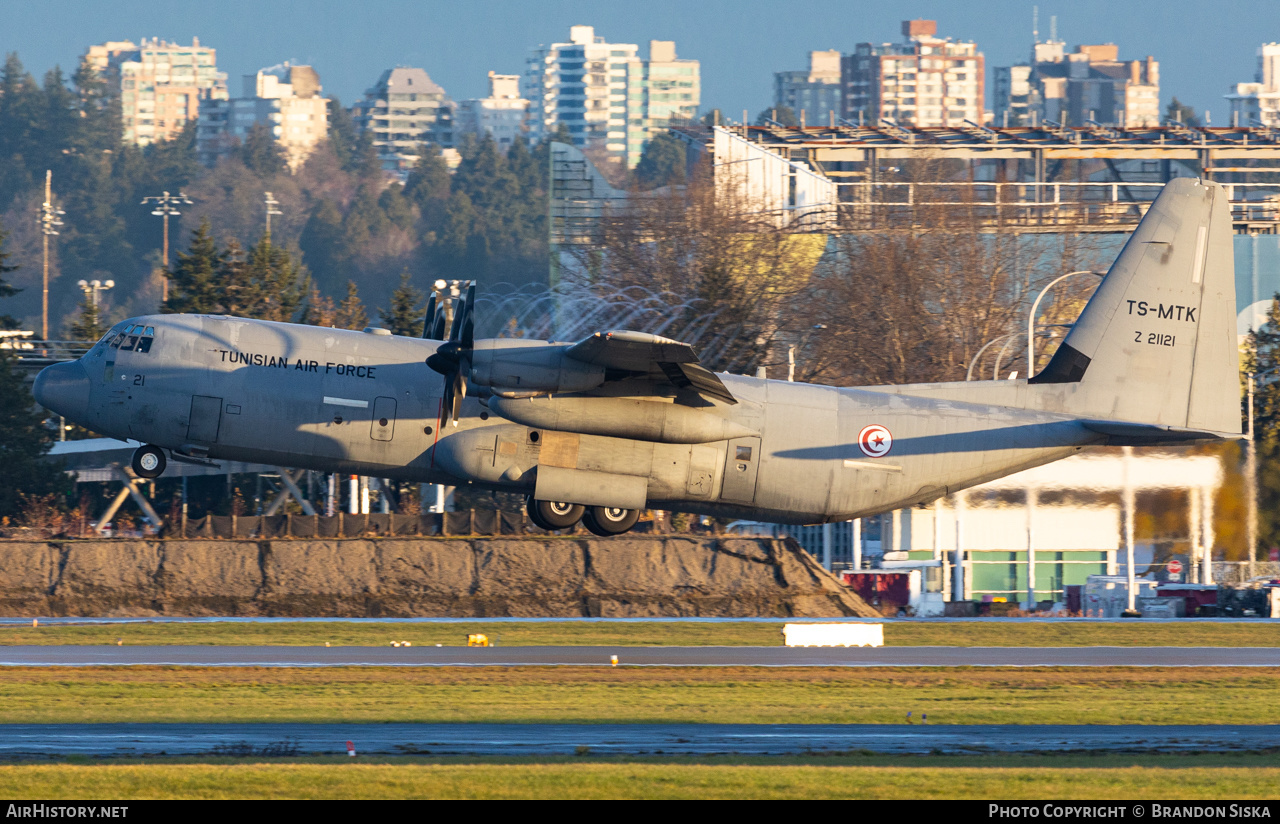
604, 427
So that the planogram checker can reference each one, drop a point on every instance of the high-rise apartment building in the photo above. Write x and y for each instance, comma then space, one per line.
285, 98
814, 94
1015, 96
1089, 84
661, 92
581, 84
923, 81
160, 84
404, 110
606, 95
504, 114
1260, 100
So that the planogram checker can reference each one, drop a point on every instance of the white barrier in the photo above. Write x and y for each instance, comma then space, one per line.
833, 635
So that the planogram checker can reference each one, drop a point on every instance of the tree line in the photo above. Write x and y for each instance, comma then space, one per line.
343, 222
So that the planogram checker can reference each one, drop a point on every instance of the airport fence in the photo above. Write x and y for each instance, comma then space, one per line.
1234, 573
481, 522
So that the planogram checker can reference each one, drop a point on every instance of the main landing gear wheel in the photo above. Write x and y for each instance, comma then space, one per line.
149, 462
607, 521
553, 515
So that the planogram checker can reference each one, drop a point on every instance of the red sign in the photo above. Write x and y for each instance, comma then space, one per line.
1275, 553
1175, 567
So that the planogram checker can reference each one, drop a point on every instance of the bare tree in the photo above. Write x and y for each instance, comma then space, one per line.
713, 255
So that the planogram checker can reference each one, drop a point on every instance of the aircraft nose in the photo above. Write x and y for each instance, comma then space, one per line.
63, 388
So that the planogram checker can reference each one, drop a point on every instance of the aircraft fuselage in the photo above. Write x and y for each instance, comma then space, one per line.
364, 403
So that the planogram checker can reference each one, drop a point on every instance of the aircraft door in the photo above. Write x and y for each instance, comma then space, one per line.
206, 419
741, 466
384, 419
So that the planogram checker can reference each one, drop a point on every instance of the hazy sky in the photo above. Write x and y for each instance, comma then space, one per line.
1202, 47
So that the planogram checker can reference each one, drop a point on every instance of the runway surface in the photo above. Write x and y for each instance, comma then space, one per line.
299, 656
37, 740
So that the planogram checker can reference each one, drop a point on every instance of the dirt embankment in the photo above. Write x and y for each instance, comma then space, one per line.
485, 577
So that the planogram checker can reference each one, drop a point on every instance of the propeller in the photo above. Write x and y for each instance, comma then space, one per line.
433, 325
429, 320
453, 358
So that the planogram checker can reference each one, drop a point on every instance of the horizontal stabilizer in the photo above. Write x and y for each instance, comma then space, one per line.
1120, 433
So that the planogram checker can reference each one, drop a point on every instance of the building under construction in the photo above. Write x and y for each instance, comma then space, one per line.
852, 178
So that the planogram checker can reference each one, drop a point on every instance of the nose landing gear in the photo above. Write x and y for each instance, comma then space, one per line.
149, 462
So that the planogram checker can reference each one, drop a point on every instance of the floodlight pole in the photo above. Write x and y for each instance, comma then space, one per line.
1031, 317
271, 204
1251, 474
166, 204
50, 220
93, 288
1129, 512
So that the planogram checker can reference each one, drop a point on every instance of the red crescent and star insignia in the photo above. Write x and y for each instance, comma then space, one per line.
875, 441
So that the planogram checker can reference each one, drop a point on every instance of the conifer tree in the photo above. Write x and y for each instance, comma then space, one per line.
7, 289
661, 163
23, 444
88, 324
1262, 360
276, 281
194, 282
408, 307
321, 243
351, 313
238, 293
319, 309
779, 114
1181, 112
353, 148
260, 153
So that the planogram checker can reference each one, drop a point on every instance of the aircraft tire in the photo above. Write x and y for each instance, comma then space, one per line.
553, 515
148, 462
607, 521
531, 510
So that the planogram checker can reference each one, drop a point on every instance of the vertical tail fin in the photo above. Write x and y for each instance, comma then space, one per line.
1157, 342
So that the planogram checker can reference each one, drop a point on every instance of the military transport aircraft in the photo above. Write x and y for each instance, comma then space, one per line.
598, 429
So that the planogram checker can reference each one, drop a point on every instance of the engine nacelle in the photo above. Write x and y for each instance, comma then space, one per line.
516, 368
633, 418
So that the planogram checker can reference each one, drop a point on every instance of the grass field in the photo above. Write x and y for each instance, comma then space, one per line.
996, 633
1023, 777
639, 695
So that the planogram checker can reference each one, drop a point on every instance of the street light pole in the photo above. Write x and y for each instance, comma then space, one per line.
166, 204
974, 362
1031, 317
50, 220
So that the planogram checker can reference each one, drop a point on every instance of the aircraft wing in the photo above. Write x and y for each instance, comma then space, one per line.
651, 357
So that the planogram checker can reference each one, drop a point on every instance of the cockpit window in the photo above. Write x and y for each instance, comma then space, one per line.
135, 337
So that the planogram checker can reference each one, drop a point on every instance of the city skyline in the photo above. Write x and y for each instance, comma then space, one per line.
738, 49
